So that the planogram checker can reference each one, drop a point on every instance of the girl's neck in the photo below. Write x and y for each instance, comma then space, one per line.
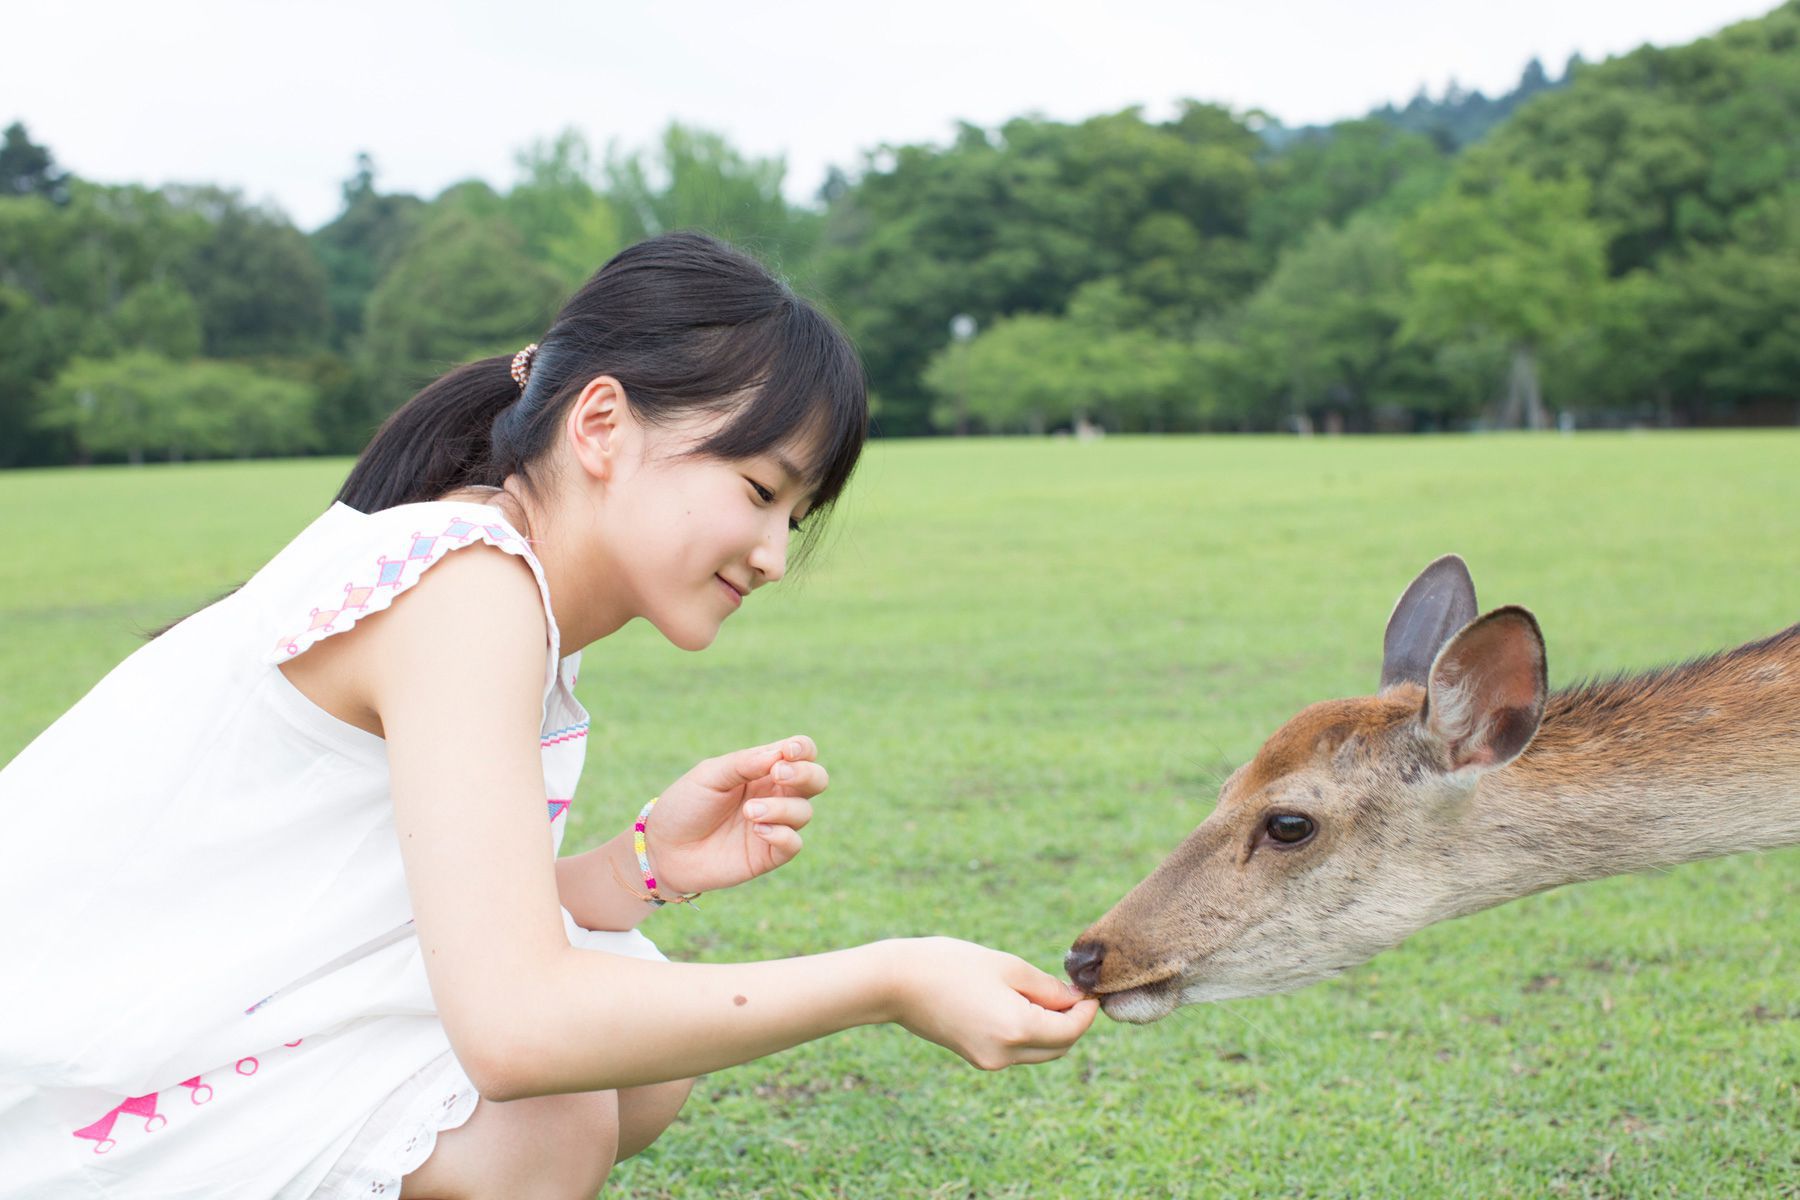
577, 627
508, 501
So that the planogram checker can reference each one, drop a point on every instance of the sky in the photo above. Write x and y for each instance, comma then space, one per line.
277, 98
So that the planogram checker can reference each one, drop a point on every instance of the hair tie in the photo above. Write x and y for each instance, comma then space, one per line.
521, 365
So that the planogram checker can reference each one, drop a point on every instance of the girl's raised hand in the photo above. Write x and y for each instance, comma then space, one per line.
734, 817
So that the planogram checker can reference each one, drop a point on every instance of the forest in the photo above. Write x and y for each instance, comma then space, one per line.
1618, 245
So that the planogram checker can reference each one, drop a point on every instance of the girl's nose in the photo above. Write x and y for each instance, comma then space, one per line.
769, 559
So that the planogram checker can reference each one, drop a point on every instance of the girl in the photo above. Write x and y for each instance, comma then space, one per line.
281, 916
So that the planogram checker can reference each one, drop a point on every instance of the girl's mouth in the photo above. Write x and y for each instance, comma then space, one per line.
737, 597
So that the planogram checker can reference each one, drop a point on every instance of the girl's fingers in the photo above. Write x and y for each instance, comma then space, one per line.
799, 747
782, 841
734, 770
1076, 1021
1042, 989
779, 810
1057, 1031
1038, 1054
800, 778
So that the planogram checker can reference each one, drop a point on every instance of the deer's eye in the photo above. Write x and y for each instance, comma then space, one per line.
1288, 829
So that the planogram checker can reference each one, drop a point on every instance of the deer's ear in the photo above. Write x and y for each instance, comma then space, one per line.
1434, 606
1487, 690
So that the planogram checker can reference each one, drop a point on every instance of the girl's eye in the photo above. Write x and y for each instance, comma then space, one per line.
767, 497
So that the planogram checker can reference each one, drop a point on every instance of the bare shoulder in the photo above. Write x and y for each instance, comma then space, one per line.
474, 621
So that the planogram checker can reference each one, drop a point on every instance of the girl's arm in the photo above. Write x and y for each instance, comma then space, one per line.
528, 1014
588, 886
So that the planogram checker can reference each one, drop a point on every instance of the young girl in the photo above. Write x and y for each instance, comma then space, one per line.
283, 914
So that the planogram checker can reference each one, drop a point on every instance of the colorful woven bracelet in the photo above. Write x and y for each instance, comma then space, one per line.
643, 856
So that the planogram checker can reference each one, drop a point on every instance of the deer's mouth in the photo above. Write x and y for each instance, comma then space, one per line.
1144, 1003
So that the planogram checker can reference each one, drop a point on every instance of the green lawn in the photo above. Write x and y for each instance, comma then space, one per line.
1027, 665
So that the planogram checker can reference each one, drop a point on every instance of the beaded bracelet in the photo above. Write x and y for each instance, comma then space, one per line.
638, 844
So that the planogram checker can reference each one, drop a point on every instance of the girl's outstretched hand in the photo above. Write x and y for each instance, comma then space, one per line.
734, 817
990, 1007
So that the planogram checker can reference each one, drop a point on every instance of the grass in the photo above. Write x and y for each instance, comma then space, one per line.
1028, 664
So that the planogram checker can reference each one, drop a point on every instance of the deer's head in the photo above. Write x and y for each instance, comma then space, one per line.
1344, 834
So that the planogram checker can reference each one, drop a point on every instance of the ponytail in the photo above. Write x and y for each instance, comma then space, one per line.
437, 442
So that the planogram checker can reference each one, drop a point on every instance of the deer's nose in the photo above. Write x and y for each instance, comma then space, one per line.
1083, 964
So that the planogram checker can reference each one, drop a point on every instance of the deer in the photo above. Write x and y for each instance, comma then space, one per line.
1463, 783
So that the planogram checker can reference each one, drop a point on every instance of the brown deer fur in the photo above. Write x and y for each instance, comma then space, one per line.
1421, 815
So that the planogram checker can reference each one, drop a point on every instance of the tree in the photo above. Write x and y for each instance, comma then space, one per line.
259, 286
1342, 170
1717, 328
464, 288
566, 223
140, 403
1014, 221
92, 276
26, 168
696, 180
1033, 372
1324, 328
360, 244
1504, 255
1671, 141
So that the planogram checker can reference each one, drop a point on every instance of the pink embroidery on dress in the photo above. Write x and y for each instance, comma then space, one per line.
199, 1092
558, 808
100, 1132
422, 548
568, 733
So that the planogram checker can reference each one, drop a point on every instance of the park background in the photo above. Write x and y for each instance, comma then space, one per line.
1030, 661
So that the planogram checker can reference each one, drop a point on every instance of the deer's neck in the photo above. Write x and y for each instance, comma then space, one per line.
1686, 763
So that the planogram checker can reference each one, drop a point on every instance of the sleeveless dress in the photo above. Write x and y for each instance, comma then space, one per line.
209, 985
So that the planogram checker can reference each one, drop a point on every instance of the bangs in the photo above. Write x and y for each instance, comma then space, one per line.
807, 392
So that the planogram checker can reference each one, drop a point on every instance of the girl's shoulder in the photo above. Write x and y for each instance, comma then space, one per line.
348, 565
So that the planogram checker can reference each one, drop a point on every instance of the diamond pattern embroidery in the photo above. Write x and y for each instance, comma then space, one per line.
422, 548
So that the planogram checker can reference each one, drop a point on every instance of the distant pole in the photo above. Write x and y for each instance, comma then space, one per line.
962, 329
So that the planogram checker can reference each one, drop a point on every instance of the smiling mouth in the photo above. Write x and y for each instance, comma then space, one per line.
737, 597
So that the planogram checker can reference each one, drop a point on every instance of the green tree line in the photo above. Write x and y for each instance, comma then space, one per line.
1619, 245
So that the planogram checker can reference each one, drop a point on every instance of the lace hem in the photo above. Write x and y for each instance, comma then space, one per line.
402, 1133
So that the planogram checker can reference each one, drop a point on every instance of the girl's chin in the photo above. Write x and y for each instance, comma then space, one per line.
685, 636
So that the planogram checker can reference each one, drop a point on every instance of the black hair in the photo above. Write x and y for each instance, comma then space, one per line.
687, 324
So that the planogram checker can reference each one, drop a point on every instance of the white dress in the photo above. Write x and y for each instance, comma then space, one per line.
209, 985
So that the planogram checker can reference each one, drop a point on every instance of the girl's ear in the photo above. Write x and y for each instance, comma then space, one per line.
598, 424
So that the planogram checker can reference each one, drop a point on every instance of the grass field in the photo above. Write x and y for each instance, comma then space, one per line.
1027, 665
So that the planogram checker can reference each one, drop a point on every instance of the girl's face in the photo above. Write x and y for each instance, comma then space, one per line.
686, 539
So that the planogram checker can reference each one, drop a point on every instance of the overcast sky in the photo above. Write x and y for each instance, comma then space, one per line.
277, 98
